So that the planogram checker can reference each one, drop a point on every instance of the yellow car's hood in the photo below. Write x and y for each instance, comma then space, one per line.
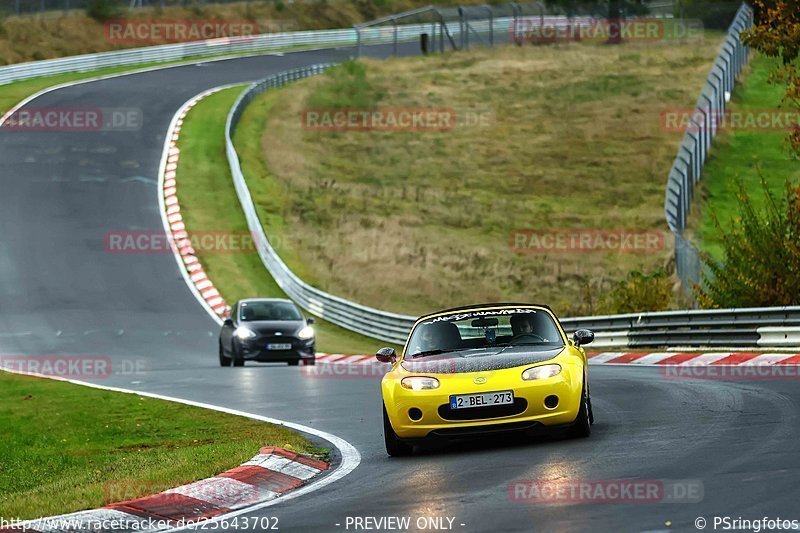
480, 360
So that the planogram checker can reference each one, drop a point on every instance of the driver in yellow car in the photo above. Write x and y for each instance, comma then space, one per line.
521, 325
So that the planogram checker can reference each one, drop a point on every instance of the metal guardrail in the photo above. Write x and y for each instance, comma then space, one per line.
694, 149
176, 52
771, 326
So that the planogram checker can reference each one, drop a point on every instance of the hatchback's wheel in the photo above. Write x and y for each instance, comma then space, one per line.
582, 427
223, 360
294, 363
309, 362
238, 358
394, 446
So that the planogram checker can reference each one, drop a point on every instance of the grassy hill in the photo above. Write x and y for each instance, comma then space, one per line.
569, 138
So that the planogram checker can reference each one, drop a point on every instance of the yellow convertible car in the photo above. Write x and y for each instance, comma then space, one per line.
484, 369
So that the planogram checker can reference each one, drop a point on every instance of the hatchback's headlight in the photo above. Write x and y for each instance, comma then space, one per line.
243, 333
541, 372
305, 333
420, 383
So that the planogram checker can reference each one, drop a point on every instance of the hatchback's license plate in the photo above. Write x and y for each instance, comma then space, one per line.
279, 346
484, 399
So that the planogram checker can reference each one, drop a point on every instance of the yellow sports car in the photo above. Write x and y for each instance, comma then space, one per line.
485, 369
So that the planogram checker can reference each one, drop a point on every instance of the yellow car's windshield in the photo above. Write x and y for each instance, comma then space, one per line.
471, 332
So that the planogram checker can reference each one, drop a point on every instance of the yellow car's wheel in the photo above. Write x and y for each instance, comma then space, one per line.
394, 446
582, 427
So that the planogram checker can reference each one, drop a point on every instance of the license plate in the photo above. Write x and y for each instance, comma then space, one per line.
279, 346
484, 399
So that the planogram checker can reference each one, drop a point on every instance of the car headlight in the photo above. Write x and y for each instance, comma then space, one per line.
419, 383
541, 372
243, 333
305, 333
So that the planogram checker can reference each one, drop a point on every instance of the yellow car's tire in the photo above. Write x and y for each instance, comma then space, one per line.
394, 446
582, 427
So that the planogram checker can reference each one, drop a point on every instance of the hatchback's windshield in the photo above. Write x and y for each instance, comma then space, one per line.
484, 329
255, 311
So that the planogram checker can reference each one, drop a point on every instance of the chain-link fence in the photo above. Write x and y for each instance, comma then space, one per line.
703, 127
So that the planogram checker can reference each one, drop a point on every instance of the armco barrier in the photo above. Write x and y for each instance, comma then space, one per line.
222, 47
771, 326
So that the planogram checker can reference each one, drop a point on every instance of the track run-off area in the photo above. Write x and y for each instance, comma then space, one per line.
61, 292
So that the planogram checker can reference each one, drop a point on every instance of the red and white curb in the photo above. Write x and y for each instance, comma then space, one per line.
633, 358
694, 358
193, 272
267, 476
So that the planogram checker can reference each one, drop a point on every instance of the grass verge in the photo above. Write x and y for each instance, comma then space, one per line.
67, 448
209, 202
743, 155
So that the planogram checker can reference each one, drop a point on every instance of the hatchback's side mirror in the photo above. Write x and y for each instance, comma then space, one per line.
310, 320
386, 355
583, 337
228, 321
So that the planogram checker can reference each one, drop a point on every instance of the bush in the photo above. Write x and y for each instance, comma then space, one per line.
761, 265
638, 293
103, 10
345, 86
715, 15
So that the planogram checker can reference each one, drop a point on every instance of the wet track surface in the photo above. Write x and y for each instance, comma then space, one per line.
62, 293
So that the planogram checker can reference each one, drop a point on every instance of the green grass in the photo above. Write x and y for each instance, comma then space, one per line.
67, 447
209, 202
743, 155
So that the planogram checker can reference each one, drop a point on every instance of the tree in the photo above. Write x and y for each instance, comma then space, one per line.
776, 33
761, 267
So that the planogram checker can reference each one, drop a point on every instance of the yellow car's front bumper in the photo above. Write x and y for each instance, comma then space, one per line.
529, 409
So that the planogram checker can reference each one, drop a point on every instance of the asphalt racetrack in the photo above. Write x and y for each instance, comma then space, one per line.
62, 293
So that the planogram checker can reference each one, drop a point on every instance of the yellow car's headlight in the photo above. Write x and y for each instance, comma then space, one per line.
541, 372
419, 383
